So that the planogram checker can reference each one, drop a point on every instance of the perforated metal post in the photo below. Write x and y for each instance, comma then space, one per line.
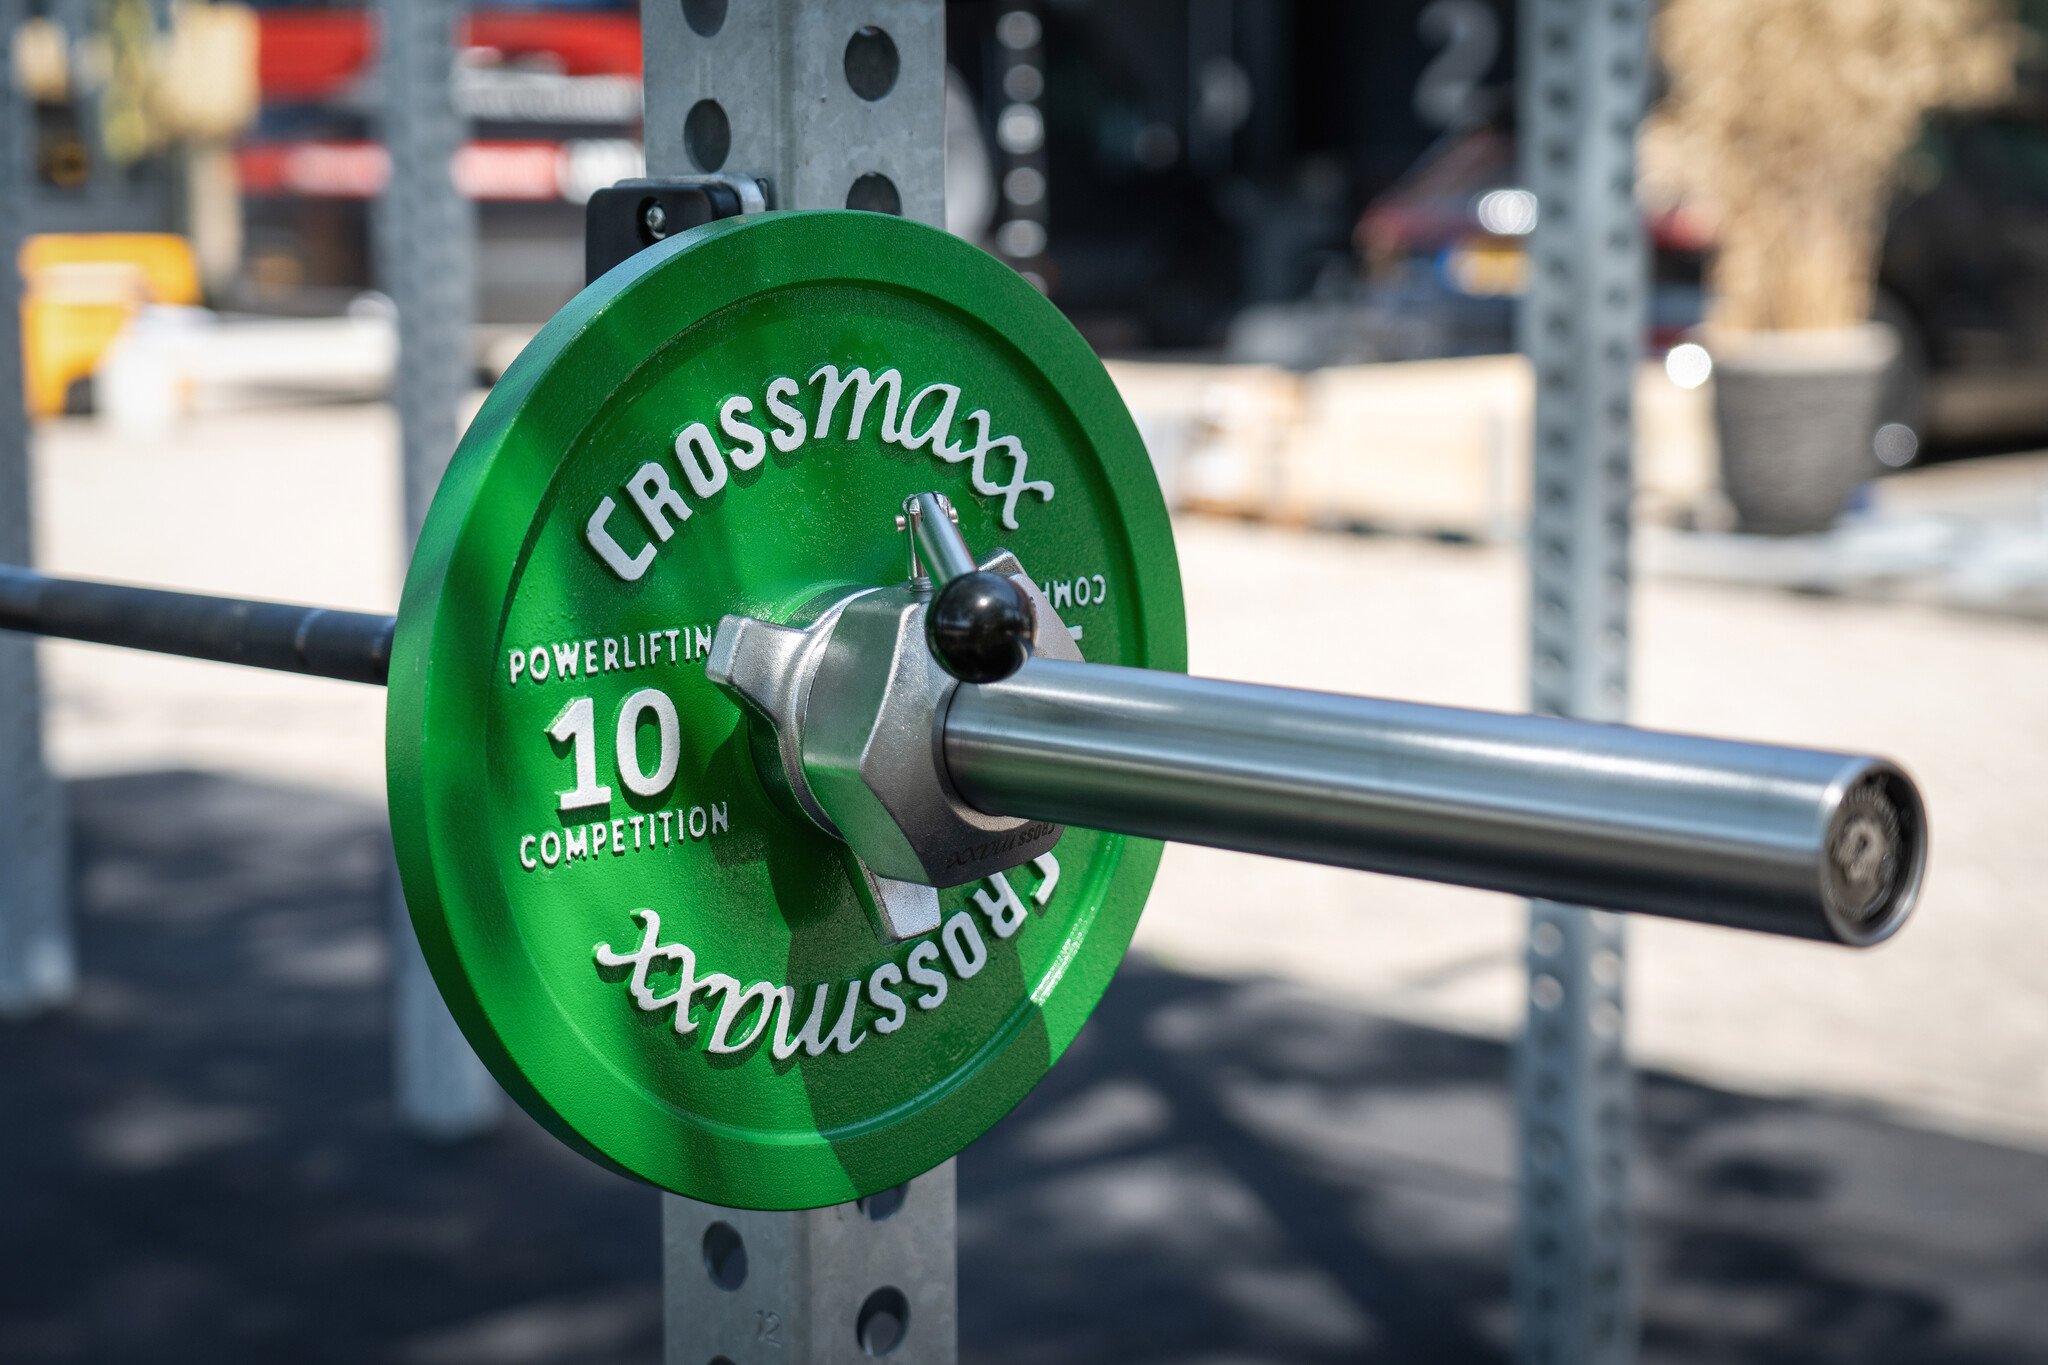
1582, 86
37, 966
426, 246
838, 107
871, 1278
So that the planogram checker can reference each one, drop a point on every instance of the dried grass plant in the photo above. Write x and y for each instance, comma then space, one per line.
1785, 121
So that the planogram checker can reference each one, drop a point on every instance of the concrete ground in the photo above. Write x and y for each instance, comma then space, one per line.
1831, 1216
198, 1164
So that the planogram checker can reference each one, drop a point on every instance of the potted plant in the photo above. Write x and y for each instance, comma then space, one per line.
1783, 122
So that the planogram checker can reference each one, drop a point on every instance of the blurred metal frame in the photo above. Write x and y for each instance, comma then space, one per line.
1583, 79
1021, 162
426, 261
784, 93
38, 963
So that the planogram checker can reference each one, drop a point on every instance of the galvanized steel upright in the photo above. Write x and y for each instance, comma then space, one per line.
1582, 80
426, 240
836, 108
37, 964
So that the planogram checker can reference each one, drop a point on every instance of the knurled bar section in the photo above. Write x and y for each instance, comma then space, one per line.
37, 966
1582, 84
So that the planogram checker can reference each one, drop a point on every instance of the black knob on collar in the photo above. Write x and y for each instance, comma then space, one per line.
981, 627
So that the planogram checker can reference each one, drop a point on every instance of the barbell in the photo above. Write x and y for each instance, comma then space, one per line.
787, 699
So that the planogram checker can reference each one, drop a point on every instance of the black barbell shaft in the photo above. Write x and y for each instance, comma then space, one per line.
349, 645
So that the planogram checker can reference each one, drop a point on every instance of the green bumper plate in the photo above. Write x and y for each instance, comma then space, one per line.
660, 962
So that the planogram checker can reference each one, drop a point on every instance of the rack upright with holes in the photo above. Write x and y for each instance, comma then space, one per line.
833, 108
37, 965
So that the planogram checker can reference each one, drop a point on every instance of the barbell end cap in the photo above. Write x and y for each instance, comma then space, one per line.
1874, 854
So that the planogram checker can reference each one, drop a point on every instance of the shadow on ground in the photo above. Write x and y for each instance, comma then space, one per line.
198, 1163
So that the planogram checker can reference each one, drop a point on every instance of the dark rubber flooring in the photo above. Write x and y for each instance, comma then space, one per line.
198, 1163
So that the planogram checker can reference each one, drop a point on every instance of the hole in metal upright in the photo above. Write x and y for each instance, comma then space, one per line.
883, 1323
725, 1256
881, 1207
876, 193
705, 17
871, 63
707, 134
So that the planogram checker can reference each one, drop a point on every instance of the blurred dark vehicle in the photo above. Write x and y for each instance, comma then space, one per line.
1443, 252
1439, 267
1963, 276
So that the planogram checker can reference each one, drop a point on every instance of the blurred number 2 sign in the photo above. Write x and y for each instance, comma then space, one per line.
1449, 93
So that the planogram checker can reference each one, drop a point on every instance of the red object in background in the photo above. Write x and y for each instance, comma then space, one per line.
499, 170
309, 56
1682, 229
306, 56
340, 170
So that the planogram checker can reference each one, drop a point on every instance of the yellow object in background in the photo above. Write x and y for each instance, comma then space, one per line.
1486, 269
80, 290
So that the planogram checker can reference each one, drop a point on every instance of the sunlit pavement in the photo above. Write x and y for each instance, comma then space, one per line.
1945, 1029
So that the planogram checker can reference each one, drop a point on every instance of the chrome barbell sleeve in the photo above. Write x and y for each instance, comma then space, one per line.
1790, 841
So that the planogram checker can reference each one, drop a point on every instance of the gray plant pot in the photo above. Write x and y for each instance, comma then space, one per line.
1795, 412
